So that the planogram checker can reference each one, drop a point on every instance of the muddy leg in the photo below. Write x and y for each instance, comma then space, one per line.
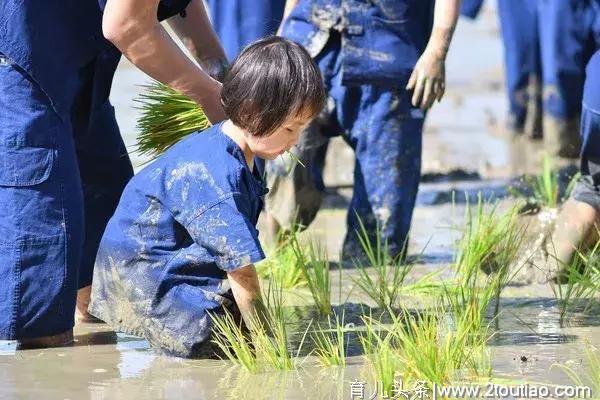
574, 228
59, 340
83, 301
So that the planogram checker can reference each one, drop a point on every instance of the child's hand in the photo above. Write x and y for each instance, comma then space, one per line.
428, 80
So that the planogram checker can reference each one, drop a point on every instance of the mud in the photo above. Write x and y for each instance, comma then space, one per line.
466, 151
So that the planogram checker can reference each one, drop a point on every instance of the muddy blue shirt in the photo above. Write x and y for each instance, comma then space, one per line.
381, 39
181, 224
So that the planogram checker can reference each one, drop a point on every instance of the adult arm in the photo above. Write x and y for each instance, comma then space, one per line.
198, 36
132, 26
428, 79
289, 6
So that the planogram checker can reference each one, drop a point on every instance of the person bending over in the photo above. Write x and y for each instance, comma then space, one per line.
183, 240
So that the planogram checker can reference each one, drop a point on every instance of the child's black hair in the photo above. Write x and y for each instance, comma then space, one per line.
271, 80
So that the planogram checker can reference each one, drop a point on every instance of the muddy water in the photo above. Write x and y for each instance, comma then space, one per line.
465, 152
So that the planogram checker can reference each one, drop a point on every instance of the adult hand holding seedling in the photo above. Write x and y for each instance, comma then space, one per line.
428, 79
131, 25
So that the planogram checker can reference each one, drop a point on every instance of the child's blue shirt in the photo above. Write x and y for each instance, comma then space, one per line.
181, 224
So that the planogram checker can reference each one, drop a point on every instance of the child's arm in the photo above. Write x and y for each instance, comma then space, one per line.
246, 291
428, 78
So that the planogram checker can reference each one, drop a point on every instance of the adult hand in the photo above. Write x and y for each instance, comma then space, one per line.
131, 25
428, 80
210, 100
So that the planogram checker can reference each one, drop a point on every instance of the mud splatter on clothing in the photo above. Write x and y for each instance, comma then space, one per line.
181, 225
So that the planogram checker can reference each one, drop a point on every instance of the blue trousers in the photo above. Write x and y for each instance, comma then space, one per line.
587, 188
547, 44
61, 177
240, 22
569, 34
519, 25
384, 131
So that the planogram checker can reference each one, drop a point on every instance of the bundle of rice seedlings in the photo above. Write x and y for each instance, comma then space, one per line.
381, 277
234, 342
490, 243
166, 117
428, 349
543, 190
545, 186
270, 335
331, 344
433, 347
265, 344
315, 269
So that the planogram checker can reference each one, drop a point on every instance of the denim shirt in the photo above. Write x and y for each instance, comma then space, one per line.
194, 209
381, 39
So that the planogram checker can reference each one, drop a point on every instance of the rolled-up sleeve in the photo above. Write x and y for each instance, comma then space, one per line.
227, 234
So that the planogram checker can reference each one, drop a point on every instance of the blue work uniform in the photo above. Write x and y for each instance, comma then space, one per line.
182, 223
366, 52
240, 22
63, 163
519, 28
587, 188
569, 34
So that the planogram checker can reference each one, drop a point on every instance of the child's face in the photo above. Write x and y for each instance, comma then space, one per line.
280, 141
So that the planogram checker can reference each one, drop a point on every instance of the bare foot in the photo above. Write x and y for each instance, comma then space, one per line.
83, 301
59, 340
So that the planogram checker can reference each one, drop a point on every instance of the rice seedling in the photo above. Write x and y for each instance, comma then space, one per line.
432, 347
266, 343
380, 355
431, 284
331, 344
544, 188
234, 342
384, 283
490, 243
269, 333
283, 264
166, 117
315, 268
591, 375
579, 284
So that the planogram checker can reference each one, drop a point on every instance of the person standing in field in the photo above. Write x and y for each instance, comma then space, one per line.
63, 164
522, 63
547, 44
383, 66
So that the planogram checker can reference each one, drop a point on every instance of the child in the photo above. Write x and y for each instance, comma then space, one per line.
187, 221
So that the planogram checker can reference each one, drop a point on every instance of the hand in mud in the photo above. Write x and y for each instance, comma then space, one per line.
428, 80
